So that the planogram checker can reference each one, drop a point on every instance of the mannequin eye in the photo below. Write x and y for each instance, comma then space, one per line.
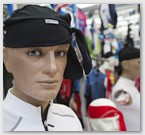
34, 53
60, 53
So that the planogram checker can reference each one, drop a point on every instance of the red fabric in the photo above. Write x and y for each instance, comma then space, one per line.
100, 111
109, 85
137, 83
59, 6
121, 122
81, 20
78, 102
65, 90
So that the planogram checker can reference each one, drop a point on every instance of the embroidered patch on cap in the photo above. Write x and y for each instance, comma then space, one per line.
51, 21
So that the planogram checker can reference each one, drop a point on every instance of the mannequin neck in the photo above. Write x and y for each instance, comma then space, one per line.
128, 76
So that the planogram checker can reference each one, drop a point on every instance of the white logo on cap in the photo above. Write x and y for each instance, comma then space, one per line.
51, 21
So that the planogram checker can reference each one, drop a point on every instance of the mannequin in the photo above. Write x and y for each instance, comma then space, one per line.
38, 52
124, 93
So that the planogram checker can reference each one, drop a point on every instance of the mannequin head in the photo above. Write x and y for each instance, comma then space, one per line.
129, 63
131, 68
38, 51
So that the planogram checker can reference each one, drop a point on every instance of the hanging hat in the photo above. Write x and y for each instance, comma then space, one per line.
37, 26
128, 53
104, 116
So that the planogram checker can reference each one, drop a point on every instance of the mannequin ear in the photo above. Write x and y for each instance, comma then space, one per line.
6, 58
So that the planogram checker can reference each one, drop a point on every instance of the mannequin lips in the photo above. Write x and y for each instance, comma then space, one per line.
48, 84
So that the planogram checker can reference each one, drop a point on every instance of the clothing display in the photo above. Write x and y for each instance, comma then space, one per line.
95, 87
131, 111
21, 116
81, 21
65, 92
89, 97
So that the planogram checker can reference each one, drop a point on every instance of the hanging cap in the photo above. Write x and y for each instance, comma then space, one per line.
37, 26
128, 53
103, 112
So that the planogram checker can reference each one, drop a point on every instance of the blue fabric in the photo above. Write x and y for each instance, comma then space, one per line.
95, 84
113, 14
76, 88
92, 34
10, 8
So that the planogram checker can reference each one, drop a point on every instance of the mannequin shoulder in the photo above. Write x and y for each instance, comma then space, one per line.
62, 110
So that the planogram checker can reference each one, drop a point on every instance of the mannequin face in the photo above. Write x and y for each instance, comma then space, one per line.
37, 71
135, 63
132, 68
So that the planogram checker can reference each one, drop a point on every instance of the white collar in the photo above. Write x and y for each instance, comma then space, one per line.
21, 108
127, 81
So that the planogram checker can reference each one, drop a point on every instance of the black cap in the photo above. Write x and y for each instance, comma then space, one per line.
128, 53
38, 26
34, 26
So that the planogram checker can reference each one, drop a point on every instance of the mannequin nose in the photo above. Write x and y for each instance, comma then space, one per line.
50, 66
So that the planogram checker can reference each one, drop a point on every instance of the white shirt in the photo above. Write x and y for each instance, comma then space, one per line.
21, 116
130, 112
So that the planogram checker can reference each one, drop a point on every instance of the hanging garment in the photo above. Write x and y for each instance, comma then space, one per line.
111, 79
94, 37
93, 42
65, 92
108, 16
57, 7
107, 48
113, 14
78, 102
104, 15
81, 21
129, 40
115, 45
76, 91
95, 86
